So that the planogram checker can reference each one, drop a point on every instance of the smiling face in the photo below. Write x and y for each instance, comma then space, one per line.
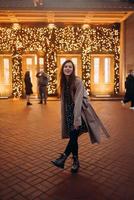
68, 69
67, 75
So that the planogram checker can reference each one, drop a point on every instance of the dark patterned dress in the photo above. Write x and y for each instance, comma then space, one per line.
69, 113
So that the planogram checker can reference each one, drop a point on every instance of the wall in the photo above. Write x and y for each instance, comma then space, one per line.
71, 4
129, 43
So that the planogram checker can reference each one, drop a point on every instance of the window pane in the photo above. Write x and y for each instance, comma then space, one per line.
107, 70
35, 59
41, 61
29, 67
62, 60
29, 61
6, 70
74, 60
96, 70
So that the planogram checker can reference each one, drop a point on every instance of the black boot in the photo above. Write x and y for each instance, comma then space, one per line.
75, 165
29, 104
45, 101
59, 162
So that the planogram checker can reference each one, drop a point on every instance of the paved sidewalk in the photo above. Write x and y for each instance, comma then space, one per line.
30, 139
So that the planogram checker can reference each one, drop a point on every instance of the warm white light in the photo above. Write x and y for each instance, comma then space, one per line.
62, 60
35, 59
96, 70
51, 26
41, 61
84, 26
16, 26
29, 61
6, 70
74, 60
107, 70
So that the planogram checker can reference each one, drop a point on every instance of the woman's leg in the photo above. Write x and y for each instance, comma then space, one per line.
28, 100
72, 146
132, 104
126, 98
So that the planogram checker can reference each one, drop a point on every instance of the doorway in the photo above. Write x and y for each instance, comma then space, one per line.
32, 63
102, 75
5, 75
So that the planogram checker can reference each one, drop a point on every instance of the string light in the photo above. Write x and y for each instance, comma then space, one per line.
16, 26
96, 39
17, 74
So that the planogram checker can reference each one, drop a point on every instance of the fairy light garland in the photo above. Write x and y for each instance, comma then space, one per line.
116, 58
68, 39
17, 74
86, 70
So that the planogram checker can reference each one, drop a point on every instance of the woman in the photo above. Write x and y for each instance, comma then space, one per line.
77, 115
129, 86
28, 87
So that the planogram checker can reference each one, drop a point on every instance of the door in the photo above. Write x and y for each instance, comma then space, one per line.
5, 75
32, 63
102, 75
75, 58
29, 63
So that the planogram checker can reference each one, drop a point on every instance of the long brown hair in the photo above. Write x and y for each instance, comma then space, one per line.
27, 75
63, 81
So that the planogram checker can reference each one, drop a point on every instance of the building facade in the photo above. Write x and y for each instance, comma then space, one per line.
97, 36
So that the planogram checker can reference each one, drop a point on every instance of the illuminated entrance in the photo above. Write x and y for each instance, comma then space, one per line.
5, 75
32, 63
102, 75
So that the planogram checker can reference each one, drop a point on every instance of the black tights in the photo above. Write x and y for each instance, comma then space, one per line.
72, 146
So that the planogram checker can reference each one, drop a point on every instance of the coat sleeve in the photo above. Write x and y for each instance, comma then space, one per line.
78, 99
